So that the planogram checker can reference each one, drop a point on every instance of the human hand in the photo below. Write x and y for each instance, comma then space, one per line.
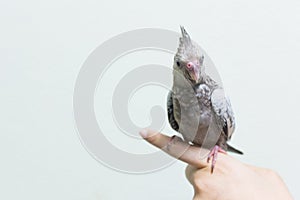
231, 179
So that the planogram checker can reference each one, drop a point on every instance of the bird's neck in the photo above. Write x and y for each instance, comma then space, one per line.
180, 81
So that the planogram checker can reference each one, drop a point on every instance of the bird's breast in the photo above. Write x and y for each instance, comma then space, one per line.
195, 115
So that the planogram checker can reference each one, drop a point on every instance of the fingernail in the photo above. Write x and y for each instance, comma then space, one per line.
144, 133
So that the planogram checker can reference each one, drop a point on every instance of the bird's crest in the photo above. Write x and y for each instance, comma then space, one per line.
185, 39
187, 47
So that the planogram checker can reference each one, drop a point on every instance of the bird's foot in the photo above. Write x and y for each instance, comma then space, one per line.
213, 155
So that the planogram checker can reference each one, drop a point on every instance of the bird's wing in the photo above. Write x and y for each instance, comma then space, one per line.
222, 108
171, 117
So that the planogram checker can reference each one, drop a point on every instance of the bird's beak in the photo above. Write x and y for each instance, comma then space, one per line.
193, 69
195, 74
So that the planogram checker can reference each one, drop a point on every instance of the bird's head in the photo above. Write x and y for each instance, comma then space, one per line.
188, 60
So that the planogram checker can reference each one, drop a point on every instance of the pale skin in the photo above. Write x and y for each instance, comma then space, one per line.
231, 179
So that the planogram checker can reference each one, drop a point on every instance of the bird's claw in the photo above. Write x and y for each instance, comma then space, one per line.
213, 154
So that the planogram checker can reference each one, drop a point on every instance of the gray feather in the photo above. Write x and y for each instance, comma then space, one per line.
221, 107
171, 116
199, 110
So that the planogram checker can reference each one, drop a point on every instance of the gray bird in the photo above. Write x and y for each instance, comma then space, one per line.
197, 106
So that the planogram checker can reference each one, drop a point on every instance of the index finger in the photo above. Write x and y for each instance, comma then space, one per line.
175, 147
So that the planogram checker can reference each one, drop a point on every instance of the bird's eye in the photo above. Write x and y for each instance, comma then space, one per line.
178, 63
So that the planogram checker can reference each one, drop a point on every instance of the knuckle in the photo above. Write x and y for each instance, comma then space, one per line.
172, 143
200, 185
152, 139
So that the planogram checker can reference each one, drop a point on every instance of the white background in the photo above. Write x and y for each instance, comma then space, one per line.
254, 44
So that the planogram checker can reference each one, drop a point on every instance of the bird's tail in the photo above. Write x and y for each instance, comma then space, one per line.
234, 150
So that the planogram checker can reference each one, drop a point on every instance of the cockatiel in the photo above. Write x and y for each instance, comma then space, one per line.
197, 106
